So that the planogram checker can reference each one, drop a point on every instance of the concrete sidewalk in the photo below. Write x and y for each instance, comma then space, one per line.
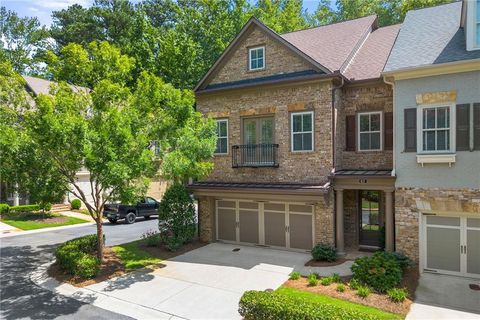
8, 229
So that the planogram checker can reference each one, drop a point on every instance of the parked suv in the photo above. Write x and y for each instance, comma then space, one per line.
145, 207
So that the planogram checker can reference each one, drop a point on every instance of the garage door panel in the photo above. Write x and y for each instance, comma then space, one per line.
443, 251
275, 229
473, 251
248, 226
227, 221
300, 231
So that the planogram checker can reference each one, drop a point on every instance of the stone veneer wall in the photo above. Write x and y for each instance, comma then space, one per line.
352, 99
351, 219
407, 213
294, 167
278, 59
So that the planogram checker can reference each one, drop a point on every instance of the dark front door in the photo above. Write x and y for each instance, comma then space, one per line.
370, 218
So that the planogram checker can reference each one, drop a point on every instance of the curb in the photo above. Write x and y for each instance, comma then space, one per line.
25, 232
40, 278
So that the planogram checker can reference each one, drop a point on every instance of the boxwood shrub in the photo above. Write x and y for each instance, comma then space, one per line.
78, 256
324, 252
262, 305
4, 207
381, 271
75, 204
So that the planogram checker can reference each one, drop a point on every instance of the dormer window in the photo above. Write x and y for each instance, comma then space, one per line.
256, 58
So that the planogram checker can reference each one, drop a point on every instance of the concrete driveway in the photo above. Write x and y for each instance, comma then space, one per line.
445, 297
206, 283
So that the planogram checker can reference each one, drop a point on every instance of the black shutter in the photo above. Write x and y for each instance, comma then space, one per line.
350, 133
463, 127
476, 126
388, 131
410, 132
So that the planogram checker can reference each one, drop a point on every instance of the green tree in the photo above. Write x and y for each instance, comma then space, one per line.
282, 15
23, 40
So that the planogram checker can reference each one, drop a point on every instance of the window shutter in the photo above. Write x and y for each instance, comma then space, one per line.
350, 130
410, 132
388, 131
463, 127
476, 126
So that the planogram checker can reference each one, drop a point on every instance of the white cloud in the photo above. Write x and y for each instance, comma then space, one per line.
33, 9
60, 4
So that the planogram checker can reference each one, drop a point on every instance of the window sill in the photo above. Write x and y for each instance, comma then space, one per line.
436, 158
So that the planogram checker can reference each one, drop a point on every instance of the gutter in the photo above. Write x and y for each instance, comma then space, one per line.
333, 118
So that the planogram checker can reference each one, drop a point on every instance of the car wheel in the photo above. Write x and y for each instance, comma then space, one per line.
147, 217
112, 220
131, 217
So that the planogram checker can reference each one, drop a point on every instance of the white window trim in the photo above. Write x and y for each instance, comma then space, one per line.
292, 133
358, 131
222, 153
471, 26
250, 58
452, 129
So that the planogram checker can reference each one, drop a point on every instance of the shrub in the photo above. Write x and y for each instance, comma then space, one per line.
397, 294
46, 206
354, 284
177, 217
151, 238
77, 256
363, 291
4, 208
380, 272
24, 208
262, 305
295, 275
326, 281
76, 204
336, 278
402, 260
341, 287
312, 279
323, 252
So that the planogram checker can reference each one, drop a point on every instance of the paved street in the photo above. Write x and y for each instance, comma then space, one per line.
20, 255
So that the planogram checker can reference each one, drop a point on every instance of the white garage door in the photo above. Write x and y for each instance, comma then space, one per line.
451, 245
275, 224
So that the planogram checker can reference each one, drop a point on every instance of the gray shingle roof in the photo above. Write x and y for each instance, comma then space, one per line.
430, 36
42, 86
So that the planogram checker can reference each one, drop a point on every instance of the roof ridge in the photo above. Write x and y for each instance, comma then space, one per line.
326, 25
348, 61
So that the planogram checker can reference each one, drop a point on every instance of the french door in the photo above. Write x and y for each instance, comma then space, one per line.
257, 132
451, 245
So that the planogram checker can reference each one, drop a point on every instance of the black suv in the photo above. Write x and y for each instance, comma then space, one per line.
146, 207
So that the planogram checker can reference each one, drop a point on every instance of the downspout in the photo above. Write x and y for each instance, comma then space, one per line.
334, 88
392, 83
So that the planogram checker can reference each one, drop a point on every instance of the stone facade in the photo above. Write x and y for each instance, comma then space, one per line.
352, 99
410, 202
278, 59
278, 102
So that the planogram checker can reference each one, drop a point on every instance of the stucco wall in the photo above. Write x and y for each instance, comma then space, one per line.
465, 173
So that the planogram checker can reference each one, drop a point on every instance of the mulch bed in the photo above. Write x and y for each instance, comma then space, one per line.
379, 301
112, 265
315, 263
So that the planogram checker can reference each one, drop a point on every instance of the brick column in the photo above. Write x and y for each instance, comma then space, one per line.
339, 221
389, 223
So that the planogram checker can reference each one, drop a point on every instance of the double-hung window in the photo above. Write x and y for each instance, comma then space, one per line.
222, 137
302, 131
436, 131
370, 131
256, 58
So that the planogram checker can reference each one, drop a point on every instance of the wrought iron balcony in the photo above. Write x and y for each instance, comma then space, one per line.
255, 155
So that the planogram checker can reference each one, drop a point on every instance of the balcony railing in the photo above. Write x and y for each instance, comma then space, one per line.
255, 155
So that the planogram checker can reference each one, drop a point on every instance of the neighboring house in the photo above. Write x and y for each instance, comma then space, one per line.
305, 136
434, 68
36, 86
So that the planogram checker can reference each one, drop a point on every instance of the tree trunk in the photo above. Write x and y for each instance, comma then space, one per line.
100, 239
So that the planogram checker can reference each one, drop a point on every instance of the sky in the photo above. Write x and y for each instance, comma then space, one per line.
42, 9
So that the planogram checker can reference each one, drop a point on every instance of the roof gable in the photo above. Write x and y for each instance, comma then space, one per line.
252, 25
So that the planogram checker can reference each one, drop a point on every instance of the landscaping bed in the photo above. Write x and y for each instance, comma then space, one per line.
319, 263
34, 221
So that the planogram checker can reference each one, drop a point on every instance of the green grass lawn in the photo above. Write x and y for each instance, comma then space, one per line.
323, 299
133, 257
32, 223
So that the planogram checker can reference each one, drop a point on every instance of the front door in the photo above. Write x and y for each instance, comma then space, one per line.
370, 218
257, 132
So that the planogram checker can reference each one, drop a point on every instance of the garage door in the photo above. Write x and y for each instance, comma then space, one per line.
275, 224
451, 245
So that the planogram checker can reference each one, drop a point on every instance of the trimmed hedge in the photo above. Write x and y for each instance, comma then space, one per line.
76, 204
4, 207
262, 305
77, 256
24, 208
